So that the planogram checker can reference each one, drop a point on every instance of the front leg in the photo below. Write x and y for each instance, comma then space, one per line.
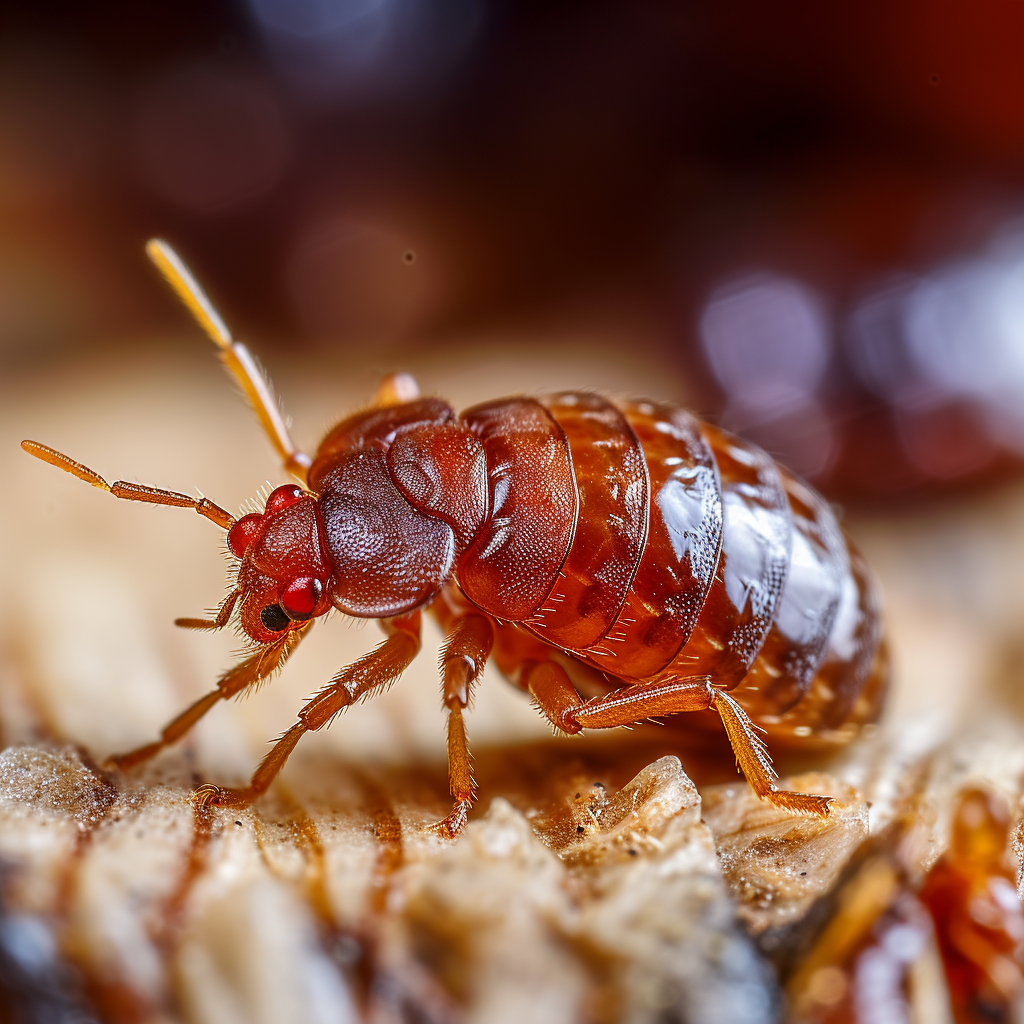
363, 679
256, 669
551, 688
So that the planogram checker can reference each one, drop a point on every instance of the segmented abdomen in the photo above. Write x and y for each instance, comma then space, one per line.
646, 544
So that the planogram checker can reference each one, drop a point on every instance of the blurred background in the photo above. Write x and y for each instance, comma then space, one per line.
803, 220
807, 219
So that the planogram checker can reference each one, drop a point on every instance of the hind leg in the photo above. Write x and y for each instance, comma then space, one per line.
550, 686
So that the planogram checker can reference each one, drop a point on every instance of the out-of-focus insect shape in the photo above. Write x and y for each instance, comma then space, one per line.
622, 550
979, 921
895, 948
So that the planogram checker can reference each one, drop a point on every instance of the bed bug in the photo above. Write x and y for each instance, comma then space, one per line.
620, 560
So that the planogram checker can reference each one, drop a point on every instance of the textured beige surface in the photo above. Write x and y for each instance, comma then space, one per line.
327, 901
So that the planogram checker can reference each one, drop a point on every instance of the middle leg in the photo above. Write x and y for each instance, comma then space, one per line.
470, 638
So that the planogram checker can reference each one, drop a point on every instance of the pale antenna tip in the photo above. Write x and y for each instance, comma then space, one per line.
180, 278
158, 250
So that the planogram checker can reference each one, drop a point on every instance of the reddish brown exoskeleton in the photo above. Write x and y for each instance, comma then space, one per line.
624, 550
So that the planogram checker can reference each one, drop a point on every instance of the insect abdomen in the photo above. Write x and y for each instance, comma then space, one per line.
680, 550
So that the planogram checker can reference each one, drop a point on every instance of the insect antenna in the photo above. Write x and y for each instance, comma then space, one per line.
130, 491
238, 360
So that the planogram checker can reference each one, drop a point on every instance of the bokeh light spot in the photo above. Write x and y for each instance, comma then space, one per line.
766, 339
330, 46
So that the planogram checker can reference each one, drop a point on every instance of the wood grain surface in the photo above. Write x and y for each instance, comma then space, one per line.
594, 881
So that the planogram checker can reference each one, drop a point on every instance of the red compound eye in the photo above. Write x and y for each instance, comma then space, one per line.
243, 533
301, 597
281, 498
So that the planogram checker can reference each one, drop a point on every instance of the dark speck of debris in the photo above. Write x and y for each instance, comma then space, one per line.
238, 823
632, 852
580, 830
598, 785
802, 873
576, 797
409, 256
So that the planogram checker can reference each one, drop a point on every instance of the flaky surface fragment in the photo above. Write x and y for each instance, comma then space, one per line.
776, 863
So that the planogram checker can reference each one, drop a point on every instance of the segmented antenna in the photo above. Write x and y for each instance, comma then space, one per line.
235, 356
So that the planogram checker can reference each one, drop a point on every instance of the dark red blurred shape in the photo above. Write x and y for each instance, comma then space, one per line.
559, 164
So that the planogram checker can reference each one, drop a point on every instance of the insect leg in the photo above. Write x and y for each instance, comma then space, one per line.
552, 690
219, 621
396, 388
755, 762
557, 698
361, 680
251, 672
237, 359
465, 653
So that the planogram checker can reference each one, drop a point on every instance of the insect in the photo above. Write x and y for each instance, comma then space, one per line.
620, 560
979, 921
875, 947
